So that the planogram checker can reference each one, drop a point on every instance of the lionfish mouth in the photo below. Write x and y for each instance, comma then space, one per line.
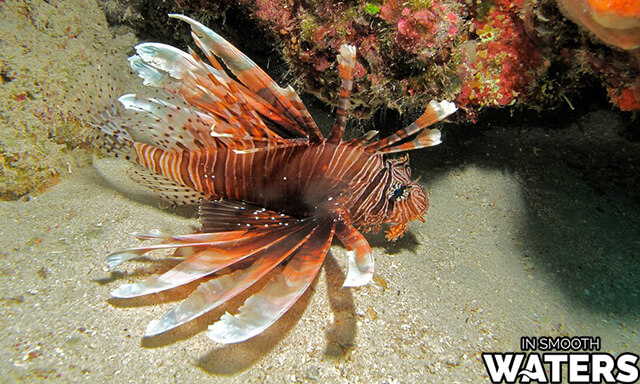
396, 231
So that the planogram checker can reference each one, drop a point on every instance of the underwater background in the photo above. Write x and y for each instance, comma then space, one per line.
533, 229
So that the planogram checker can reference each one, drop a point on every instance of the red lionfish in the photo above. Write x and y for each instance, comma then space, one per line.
273, 192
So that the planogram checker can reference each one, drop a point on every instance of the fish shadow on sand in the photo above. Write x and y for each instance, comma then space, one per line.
580, 229
234, 358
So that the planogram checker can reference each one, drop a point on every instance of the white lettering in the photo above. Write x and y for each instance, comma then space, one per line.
528, 343
503, 366
627, 368
602, 365
533, 370
556, 361
579, 368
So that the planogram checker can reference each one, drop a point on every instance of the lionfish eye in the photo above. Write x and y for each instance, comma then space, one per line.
399, 192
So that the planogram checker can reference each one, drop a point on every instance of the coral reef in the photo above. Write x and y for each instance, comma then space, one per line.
483, 54
503, 63
407, 51
489, 53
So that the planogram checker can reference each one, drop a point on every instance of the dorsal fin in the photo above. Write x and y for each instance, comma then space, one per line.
285, 100
225, 106
167, 122
346, 66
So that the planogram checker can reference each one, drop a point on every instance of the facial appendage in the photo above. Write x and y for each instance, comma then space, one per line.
407, 199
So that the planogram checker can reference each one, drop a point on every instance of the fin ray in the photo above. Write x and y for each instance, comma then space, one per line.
204, 262
224, 215
203, 239
265, 307
435, 111
166, 188
361, 263
215, 292
285, 100
346, 67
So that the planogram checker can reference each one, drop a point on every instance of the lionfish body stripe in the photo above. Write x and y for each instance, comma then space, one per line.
272, 191
300, 179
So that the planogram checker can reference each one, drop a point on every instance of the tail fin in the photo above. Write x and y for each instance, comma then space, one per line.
93, 103
109, 134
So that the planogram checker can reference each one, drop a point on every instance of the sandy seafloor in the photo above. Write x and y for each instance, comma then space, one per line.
517, 242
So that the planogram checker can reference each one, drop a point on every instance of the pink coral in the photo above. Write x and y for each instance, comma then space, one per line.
275, 12
422, 31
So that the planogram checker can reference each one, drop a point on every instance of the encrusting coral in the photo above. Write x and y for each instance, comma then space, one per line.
492, 53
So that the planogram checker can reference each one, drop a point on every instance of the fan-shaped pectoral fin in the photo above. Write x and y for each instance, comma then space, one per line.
206, 261
361, 262
265, 307
215, 292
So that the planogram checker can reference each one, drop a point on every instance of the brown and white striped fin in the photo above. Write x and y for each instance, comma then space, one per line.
167, 123
346, 66
364, 138
425, 138
207, 239
285, 100
210, 259
436, 111
228, 215
361, 263
216, 292
111, 137
283, 289
226, 106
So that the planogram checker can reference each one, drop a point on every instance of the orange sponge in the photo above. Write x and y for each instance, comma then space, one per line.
616, 22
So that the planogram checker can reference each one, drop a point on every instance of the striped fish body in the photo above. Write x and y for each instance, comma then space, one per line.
340, 180
272, 191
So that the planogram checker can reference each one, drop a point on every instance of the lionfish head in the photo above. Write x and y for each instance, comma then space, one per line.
407, 199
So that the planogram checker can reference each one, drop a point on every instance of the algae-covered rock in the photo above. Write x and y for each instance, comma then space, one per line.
45, 49
482, 54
